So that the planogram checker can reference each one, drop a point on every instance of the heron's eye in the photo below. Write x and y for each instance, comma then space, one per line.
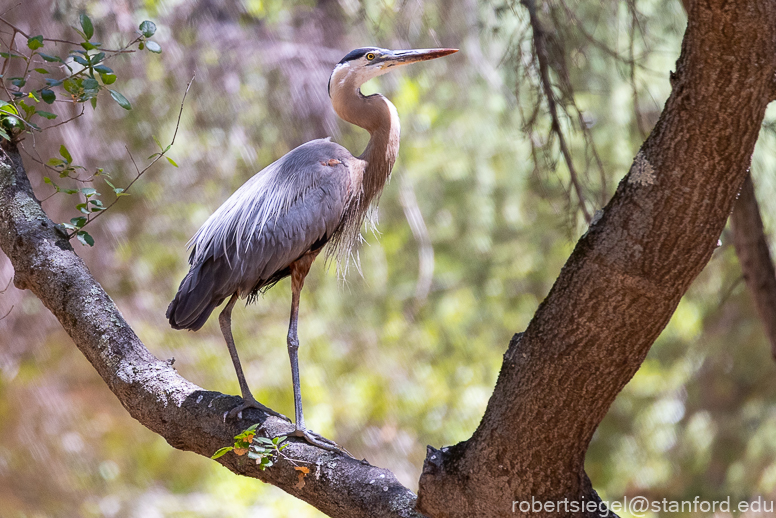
370, 56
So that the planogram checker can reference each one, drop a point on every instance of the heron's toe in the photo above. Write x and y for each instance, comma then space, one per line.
319, 441
236, 412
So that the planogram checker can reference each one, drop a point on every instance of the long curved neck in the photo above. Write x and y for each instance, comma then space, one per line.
378, 116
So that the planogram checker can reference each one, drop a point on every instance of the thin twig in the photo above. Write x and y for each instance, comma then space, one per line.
544, 75
83, 107
2, 292
632, 66
10, 9
140, 173
40, 161
54, 40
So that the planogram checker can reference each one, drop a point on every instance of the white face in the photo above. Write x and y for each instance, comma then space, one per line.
356, 72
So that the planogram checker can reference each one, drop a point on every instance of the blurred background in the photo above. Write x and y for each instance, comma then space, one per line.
474, 227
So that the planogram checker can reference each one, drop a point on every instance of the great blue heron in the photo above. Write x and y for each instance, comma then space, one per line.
278, 221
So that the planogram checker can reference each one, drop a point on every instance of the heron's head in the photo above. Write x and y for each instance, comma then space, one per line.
363, 64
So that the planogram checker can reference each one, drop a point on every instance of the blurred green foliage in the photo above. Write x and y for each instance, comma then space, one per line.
402, 355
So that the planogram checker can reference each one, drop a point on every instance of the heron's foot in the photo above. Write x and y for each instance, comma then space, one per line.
318, 440
250, 402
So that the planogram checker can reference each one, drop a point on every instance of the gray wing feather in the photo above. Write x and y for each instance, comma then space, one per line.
269, 222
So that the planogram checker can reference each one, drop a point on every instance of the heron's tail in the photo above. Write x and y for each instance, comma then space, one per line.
195, 301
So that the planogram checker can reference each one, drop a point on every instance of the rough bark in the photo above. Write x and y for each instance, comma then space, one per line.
755, 258
187, 416
624, 279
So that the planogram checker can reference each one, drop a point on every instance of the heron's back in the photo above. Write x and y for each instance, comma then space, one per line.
292, 206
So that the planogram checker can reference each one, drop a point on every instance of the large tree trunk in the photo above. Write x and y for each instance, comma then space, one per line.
623, 281
616, 293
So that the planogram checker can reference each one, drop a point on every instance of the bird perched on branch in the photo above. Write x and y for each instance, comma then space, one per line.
277, 223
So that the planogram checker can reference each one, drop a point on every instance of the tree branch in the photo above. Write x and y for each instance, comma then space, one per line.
755, 258
187, 416
623, 281
539, 37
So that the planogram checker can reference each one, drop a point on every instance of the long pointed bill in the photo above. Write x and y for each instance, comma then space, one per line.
405, 57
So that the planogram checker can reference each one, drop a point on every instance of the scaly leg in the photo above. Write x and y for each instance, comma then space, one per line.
299, 270
225, 321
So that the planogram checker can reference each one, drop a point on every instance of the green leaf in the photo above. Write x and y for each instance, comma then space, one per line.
97, 58
81, 61
222, 451
34, 95
78, 222
11, 55
4, 135
55, 162
18, 81
123, 102
28, 110
89, 191
153, 47
65, 154
53, 82
93, 102
47, 115
50, 59
13, 122
71, 85
171, 161
41, 70
108, 79
88, 45
148, 28
86, 25
90, 86
9, 108
35, 42
102, 69
48, 95
160, 146
85, 238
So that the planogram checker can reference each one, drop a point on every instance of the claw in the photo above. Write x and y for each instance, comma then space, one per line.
252, 403
319, 441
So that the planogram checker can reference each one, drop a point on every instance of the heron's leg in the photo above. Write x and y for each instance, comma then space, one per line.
293, 353
299, 270
225, 321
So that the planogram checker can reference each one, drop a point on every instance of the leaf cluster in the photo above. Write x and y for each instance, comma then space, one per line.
77, 77
263, 450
